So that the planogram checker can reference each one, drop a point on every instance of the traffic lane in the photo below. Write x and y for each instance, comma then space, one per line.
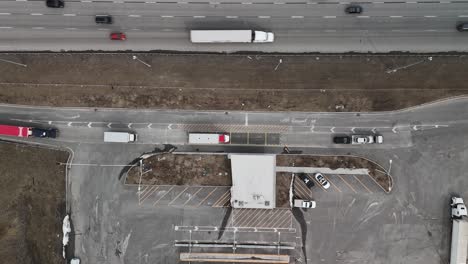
243, 10
290, 40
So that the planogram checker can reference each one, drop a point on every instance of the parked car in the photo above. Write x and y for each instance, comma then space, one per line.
304, 203
320, 179
366, 139
342, 140
55, 3
305, 179
118, 36
353, 9
103, 19
462, 27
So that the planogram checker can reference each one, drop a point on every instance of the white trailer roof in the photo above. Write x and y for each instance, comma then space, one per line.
253, 181
222, 36
459, 245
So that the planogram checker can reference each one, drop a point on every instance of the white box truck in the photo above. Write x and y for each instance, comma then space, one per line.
459, 245
231, 36
119, 137
208, 138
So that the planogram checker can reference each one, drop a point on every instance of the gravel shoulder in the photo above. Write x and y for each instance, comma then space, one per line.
32, 192
232, 82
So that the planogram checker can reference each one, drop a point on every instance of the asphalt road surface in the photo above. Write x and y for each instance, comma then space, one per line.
300, 26
425, 151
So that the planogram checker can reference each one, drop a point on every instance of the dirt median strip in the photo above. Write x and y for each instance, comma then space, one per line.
32, 192
223, 82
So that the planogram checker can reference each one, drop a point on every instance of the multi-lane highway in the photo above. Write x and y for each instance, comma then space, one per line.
425, 147
299, 25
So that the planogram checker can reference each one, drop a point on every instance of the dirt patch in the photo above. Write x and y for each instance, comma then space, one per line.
181, 169
283, 183
32, 194
232, 82
336, 162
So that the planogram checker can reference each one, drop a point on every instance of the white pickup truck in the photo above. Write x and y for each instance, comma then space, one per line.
366, 139
304, 203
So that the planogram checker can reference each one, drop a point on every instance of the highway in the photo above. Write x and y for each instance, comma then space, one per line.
418, 26
427, 145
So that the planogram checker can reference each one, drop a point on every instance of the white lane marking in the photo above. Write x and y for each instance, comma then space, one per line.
330, 30
70, 28
412, 2
312, 3
199, 16
103, 29
278, 3
150, 2
297, 16
396, 16
134, 15
37, 27
231, 16
167, 16
329, 17
363, 16
69, 14
36, 14
5, 14
182, 3
86, 1
430, 30
463, 16
5, 27
263, 16
118, 2
430, 16
135, 29
377, 2
246, 3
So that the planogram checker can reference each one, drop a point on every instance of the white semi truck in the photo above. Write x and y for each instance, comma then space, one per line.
119, 137
208, 138
231, 36
459, 245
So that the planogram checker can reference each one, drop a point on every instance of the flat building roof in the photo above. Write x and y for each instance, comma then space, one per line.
253, 181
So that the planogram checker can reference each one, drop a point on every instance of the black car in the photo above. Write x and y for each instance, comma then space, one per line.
55, 3
462, 27
103, 19
308, 181
353, 9
342, 140
42, 133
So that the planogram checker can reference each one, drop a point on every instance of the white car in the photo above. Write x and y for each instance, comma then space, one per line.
366, 139
304, 203
320, 179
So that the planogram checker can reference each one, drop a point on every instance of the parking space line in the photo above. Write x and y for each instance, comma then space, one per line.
282, 218
334, 186
255, 214
193, 195
224, 201
147, 196
362, 184
258, 218
168, 191
377, 183
221, 198
271, 224
177, 196
300, 191
349, 185
244, 217
267, 219
207, 196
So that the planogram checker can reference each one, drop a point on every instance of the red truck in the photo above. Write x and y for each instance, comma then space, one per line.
18, 131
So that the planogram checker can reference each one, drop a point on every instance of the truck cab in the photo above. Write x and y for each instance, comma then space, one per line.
458, 208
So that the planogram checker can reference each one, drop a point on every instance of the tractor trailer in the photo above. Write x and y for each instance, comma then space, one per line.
19, 131
459, 245
231, 36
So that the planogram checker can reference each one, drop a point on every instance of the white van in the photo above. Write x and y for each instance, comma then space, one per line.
119, 137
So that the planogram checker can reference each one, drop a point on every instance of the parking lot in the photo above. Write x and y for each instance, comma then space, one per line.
183, 196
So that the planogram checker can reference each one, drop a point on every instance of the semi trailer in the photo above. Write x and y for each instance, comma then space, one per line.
231, 36
20, 131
